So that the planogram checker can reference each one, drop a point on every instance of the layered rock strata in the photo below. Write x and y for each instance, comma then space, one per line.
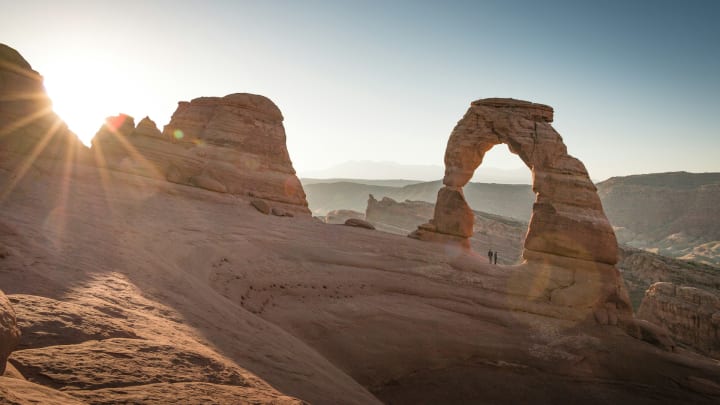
568, 226
692, 315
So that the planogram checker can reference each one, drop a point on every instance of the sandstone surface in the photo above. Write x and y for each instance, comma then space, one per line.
691, 314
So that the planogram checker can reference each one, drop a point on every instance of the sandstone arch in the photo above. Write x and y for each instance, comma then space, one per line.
567, 218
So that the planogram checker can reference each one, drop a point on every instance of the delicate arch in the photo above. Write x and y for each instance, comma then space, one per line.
567, 218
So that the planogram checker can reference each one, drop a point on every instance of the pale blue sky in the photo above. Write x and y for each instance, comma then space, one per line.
634, 84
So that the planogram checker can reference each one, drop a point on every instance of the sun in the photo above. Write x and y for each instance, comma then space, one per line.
86, 90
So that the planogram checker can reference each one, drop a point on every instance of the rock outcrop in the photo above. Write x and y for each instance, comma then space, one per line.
640, 269
692, 315
9, 332
568, 225
233, 144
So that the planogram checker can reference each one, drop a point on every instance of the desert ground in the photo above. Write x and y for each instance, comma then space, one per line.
133, 289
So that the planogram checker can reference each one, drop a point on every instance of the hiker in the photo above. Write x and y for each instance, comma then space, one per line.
495, 257
490, 256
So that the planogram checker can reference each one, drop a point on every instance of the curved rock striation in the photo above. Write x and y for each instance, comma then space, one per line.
568, 226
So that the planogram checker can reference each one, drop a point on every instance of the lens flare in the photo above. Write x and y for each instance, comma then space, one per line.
178, 134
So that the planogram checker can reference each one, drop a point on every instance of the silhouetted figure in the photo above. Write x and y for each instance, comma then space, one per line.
495, 257
490, 256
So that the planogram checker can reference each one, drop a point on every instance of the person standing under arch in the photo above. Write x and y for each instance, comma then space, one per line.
495, 257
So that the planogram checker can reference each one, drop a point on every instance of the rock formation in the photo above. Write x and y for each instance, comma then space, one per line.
640, 269
9, 332
567, 221
233, 144
147, 127
692, 315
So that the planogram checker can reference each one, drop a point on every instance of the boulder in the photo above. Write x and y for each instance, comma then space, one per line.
359, 223
261, 205
340, 216
9, 332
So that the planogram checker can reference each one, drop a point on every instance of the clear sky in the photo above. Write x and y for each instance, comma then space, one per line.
635, 84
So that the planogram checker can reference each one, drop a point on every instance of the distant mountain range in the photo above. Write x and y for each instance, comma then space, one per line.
365, 169
674, 214
511, 200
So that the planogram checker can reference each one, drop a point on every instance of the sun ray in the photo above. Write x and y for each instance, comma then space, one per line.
38, 95
60, 219
101, 163
132, 151
27, 119
28, 161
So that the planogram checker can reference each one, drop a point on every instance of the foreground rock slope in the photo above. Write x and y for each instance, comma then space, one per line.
188, 293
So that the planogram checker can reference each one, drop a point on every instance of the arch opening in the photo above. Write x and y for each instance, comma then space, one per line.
501, 211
